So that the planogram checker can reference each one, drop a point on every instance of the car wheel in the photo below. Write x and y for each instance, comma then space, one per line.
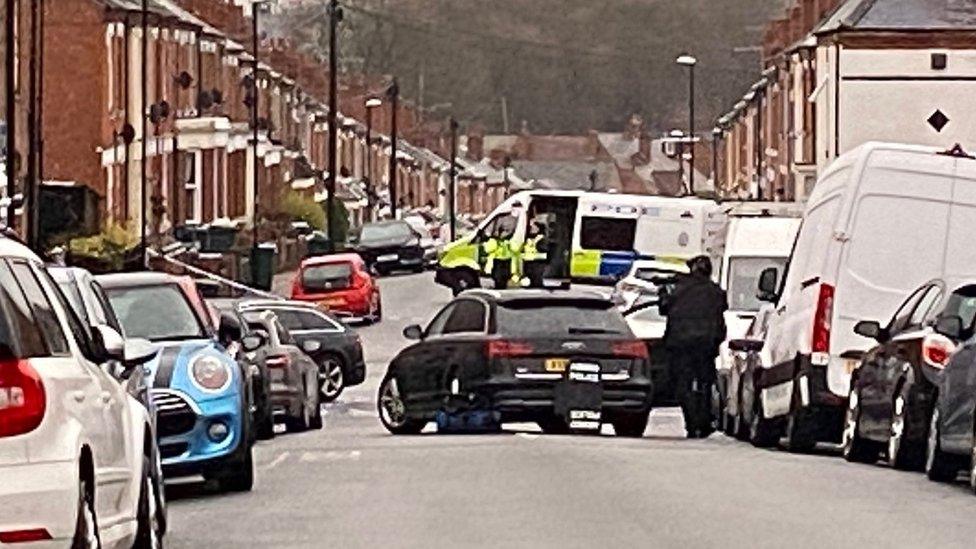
239, 478
149, 532
375, 309
315, 422
331, 376
464, 280
740, 429
762, 432
799, 425
939, 465
854, 448
631, 425
265, 422
903, 454
393, 410
86, 527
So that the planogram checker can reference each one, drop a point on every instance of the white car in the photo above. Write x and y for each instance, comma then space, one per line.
640, 282
74, 446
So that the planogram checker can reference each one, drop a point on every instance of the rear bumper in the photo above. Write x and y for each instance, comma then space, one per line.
518, 399
40, 495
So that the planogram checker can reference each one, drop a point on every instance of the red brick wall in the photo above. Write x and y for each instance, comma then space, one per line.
75, 102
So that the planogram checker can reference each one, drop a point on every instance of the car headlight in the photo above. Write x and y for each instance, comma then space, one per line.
209, 373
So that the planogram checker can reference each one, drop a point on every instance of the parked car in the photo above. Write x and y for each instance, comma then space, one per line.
340, 354
950, 443
294, 376
566, 360
77, 466
742, 414
643, 281
868, 237
431, 244
202, 396
894, 388
388, 246
252, 359
342, 283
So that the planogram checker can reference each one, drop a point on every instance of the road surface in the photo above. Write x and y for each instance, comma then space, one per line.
353, 485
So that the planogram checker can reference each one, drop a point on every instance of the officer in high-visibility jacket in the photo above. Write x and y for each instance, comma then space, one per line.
534, 254
500, 254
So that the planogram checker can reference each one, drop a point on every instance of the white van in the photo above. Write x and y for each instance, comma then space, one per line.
882, 219
753, 243
593, 236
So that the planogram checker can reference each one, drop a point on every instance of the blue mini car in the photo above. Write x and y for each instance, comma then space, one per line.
198, 389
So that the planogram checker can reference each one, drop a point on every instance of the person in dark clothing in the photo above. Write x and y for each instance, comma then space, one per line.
695, 310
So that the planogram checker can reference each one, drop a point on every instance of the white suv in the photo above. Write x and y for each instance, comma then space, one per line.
74, 447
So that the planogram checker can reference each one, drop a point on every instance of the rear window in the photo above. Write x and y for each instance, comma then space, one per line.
331, 276
607, 233
559, 318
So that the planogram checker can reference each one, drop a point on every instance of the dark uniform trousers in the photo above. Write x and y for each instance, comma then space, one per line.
693, 373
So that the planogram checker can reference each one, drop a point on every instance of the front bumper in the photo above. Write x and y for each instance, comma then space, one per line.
40, 495
189, 451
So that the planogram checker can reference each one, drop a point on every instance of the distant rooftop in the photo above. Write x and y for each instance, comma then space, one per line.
902, 15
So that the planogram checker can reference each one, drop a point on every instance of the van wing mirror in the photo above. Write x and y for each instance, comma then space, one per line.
949, 326
746, 345
871, 329
768, 284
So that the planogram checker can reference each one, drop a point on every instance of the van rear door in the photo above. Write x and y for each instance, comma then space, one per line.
895, 240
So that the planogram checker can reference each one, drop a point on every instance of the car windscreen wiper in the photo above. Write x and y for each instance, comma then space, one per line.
576, 330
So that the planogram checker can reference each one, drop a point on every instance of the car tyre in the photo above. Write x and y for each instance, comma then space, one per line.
939, 465
149, 531
855, 448
316, 422
464, 280
86, 527
264, 420
555, 426
903, 454
972, 466
763, 433
331, 378
631, 425
393, 410
799, 425
739, 428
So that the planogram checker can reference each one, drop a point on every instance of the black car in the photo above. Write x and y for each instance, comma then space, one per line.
253, 360
340, 353
388, 246
565, 360
893, 389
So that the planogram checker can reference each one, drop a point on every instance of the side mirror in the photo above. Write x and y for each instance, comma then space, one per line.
746, 345
252, 343
768, 284
311, 346
413, 332
138, 351
870, 329
230, 328
949, 326
110, 342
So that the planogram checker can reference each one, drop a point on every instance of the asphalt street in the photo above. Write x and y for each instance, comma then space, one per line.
353, 485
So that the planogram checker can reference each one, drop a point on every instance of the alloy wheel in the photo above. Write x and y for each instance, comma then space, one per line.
392, 409
850, 423
897, 429
331, 379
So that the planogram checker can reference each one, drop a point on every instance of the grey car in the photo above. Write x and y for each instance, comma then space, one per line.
293, 374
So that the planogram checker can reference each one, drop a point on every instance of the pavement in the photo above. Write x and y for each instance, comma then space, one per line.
353, 485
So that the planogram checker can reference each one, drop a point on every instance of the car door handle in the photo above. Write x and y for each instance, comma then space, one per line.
79, 396
106, 397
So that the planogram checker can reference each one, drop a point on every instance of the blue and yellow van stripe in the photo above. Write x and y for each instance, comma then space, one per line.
605, 264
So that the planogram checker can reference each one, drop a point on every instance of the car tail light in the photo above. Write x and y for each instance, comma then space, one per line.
297, 291
278, 361
22, 398
937, 349
821, 320
630, 349
25, 536
501, 348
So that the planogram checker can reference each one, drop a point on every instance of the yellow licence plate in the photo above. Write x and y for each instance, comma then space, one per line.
557, 364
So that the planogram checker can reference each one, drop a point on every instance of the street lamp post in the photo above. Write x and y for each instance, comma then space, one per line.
255, 168
335, 15
394, 94
11, 76
452, 184
690, 62
371, 104
144, 87
678, 138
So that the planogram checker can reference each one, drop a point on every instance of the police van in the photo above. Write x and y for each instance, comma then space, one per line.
593, 237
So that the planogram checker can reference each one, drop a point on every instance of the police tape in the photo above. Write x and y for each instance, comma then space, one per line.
214, 277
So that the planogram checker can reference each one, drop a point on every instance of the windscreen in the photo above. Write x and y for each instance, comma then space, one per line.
744, 279
385, 231
331, 276
552, 318
156, 313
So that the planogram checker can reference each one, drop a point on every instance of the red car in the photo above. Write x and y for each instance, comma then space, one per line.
342, 283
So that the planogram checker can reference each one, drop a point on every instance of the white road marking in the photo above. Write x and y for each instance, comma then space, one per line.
331, 455
277, 461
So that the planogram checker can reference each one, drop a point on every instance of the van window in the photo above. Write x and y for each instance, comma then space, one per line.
744, 278
890, 232
607, 233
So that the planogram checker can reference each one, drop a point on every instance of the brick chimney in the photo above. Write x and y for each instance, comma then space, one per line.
476, 143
